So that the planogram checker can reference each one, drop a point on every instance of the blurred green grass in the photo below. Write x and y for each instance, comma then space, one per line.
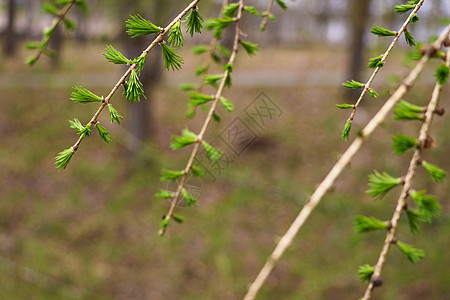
89, 232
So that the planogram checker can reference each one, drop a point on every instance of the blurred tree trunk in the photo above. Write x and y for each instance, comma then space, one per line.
359, 13
10, 34
56, 44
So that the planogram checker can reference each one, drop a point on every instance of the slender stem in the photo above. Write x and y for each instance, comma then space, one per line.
325, 185
211, 49
122, 79
61, 15
267, 14
209, 116
383, 58
406, 187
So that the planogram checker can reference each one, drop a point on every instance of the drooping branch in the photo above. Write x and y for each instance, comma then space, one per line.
415, 160
208, 119
337, 169
382, 59
60, 17
106, 100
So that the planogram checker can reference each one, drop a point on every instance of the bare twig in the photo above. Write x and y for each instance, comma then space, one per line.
208, 119
325, 185
406, 187
383, 58
122, 79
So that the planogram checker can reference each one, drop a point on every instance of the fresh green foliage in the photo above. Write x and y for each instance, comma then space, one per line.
197, 99
223, 50
375, 62
200, 49
227, 105
82, 95
427, 205
406, 111
414, 219
212, 79
412, 107
345, 106
171, 175
139, 61
70, 25
164, 223
410, 39
114, 56
114, 115
250, 48
372, 93
438, 175
380, 184
63, 158
197, 171
80, 3
171, 58
252, 10
401, 9
164, 194
138, 26
441, 73
134, 88
230, 9
50, 8
414, 18
365, 272
346, 131
218, 25
194, 22
365, 224
352, 84
176, 36
413, 254
200, 70
382, 31
187, 137
188, 87
282, 4
178, 218
229, 68
104, 134
190, 200
212, 153
81, 130
402, 143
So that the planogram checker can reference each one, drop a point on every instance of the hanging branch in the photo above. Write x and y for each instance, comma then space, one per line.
48, 32
211, 49
137, 26
401, 202
268, 13
378, 62
324, 186
197, 140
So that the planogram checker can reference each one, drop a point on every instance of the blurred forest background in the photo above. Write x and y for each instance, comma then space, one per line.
90, 232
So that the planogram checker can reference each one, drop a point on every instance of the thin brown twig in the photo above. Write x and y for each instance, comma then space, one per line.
376, 279
209, 116
266, 15
383, 59
122, 79
61, 15
324, 186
